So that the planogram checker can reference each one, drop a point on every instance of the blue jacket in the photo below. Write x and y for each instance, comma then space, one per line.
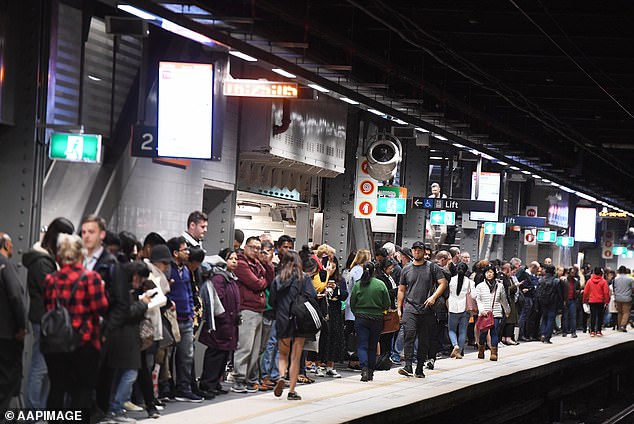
181, 293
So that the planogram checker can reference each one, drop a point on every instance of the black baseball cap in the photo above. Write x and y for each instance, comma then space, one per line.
418, 245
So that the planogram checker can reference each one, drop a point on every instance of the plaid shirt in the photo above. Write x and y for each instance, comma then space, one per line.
88, 304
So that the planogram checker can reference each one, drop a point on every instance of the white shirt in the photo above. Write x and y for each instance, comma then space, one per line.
89, 263
457, 303
191, 240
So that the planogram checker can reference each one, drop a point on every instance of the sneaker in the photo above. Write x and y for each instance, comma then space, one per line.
574, 335
396, 360
564, 334
188, 397
419, 372
333, 373
220, 391
319, 372
293, 396
252, 388
238, 388
599, 333
153, 413
159, 407
120, 418
592, 334
131, 407
406, 370
430, 364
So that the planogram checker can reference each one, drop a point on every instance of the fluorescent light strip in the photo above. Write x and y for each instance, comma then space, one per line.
440, 137
137, 12
319, 88
283, 73
421, 130
536, 176
376, 112
436, 158
347, 100
399, 121
460, 146
514, 168
502, 163
546, 181
242, 56
523, 171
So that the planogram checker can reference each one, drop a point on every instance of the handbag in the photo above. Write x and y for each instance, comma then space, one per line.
487, 322
472, 305
391, 323
146, 333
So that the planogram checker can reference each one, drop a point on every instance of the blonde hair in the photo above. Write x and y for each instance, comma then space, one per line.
325, 249
362, 256
70, 249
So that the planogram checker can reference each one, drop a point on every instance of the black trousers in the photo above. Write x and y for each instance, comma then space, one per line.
10, 371
597, 310
213, 368
73, 375
422, 326
144, 379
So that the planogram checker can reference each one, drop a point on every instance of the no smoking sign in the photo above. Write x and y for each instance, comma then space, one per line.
367, 187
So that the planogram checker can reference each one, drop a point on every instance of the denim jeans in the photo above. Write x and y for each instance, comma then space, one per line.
458, 328
548, 321
526, 311
368, 332
570, 317
38, 384
121, 388
270, 356
184, 357
495, 333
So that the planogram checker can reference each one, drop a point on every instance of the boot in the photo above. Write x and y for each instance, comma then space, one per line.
494, 353
370, 375
365, 374
481, 351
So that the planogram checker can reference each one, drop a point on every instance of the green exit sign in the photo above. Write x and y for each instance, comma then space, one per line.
442, 218
75, 147
619, 250
547, 236
496, 228
565, 241
391, 206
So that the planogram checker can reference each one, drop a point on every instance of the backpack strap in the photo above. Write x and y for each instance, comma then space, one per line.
72, 290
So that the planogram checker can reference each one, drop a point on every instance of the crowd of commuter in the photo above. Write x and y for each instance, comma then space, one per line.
138, 308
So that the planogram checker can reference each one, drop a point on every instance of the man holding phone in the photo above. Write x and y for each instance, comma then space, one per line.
416, 297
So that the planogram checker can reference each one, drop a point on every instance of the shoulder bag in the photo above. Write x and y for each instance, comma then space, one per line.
486, 322
472, 305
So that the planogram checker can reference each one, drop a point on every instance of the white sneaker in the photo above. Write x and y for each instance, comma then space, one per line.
131, 407
319, 372
333, 373
120, 418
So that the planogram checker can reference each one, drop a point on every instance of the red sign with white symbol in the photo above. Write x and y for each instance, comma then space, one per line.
364, 166
367, 187
531, 211
366, 208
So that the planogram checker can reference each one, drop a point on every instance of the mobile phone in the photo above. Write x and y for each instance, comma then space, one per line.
153, 294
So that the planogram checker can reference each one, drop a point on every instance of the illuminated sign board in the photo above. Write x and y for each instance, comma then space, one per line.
257, 88
185, 110
585, 224
75, 147
612, 214
489, 190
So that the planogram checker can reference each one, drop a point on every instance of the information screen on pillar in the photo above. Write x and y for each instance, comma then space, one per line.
489, 190
185, 110
585, 224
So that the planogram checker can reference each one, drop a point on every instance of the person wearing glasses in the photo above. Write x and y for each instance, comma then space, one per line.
253, 280
268, 317
181, 295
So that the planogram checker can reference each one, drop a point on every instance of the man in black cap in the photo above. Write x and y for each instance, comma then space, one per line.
421, 284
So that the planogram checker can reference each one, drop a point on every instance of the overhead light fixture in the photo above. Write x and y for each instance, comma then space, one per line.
440, 137
523, 171
536, 176
168, 25
319, 88
242, 56
421, 130
546, 181
249, 207
555, 184
399, 121
514, 168
569, 190
283, 73
502, 163
376, 112
436, 158
460, 146
347, 100
94, 78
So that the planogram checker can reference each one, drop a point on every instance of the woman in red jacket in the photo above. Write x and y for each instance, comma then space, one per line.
597, 294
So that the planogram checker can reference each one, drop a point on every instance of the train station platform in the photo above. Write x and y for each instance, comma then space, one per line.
528, 377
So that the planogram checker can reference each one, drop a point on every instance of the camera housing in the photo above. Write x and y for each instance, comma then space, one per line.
384, 155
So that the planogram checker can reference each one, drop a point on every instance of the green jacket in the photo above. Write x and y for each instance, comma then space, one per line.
372, 299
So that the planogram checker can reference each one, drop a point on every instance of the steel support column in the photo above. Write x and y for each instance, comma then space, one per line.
415, 169
339, 193
220, 207
22, 148
303, 228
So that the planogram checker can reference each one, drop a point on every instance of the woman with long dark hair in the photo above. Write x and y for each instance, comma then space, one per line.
369, 300
460, 286
290, 281
332, 340
491, 297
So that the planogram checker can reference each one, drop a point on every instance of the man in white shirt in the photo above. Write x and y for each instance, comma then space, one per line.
197, 224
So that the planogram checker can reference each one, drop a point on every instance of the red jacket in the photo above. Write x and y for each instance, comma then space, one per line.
596, 290
253, 279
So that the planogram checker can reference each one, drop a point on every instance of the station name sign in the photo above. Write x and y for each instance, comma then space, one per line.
612, 214
258, 88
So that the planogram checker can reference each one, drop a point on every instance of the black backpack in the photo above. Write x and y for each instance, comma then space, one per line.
306, 315
547, 291
57, 334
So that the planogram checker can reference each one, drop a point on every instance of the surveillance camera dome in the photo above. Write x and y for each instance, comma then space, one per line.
383, 156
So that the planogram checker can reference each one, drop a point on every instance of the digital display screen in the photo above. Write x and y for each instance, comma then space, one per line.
257, 88
185, 110
585, 224
489, 190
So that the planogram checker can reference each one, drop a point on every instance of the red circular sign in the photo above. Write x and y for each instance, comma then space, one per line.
607, 254
367, 187
531, 212
366, 208
609, 235
530, 237
364, 166
608, 243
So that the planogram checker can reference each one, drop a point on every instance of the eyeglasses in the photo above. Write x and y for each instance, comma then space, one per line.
184, 250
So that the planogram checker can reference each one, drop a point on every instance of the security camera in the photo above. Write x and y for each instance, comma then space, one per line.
383, 155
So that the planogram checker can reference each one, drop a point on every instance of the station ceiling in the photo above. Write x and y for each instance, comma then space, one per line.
546, 85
